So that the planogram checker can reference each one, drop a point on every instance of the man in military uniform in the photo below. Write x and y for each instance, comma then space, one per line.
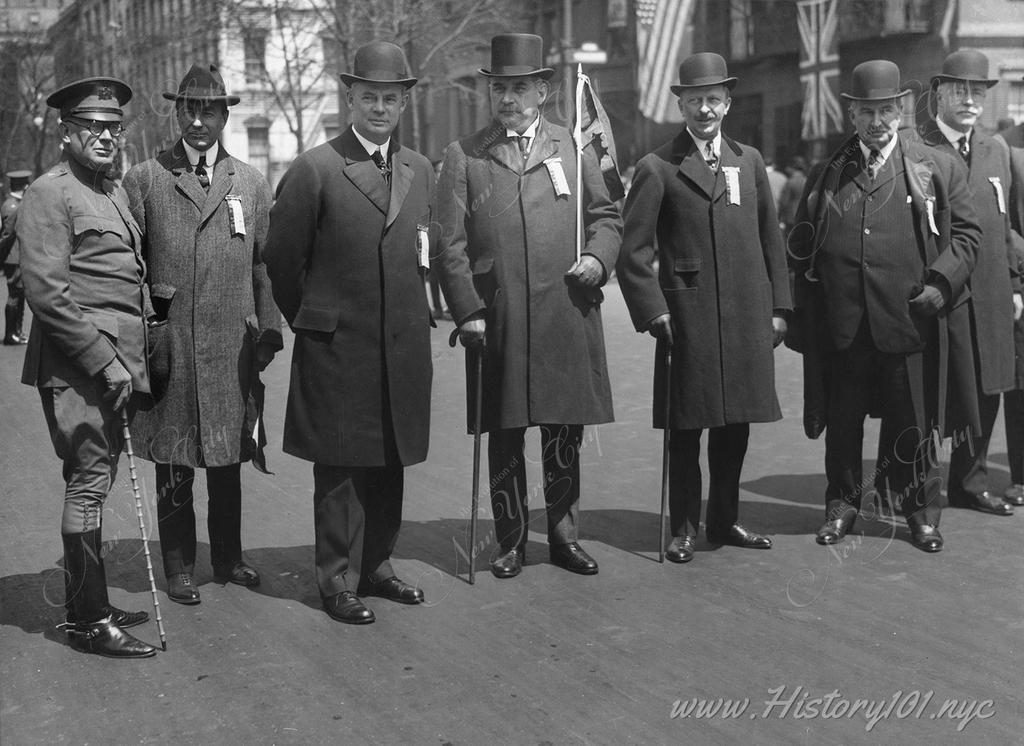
83, 277
507, 207
14, 311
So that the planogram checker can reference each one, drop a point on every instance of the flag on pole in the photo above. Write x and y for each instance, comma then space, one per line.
591, 127
819, 68
660, 30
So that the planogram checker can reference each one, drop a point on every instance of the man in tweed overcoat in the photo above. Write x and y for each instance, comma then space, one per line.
204, 215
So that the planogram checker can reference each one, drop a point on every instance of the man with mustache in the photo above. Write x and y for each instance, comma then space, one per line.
204, 217
960, 91
507, 206
885, 240
702, 204
83, 274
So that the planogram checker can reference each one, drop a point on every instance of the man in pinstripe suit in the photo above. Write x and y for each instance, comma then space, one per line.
885, 241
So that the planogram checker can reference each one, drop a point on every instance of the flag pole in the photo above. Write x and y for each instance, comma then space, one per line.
578, 137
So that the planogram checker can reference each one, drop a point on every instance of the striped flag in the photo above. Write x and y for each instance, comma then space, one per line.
660, 30
819, 68
591, 127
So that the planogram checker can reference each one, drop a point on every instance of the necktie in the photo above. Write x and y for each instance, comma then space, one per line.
874, 163
385, 169
201, 174
524, 145
710, 157
965, 153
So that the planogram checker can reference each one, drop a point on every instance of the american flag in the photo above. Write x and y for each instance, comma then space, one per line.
660, 29
819, 68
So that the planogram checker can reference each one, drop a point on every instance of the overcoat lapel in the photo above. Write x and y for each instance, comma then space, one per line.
693, 167
545, 145
220, 186
401, 180
185, 181
502, 149
729, 156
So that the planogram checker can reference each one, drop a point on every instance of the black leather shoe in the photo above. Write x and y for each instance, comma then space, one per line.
1014, 494
738, 536
239, 573
107, 639
986, 502
346, 607
182, 589
120, 618
926, 537
832, 532
392, 589
681, 549
508, 564
571, 557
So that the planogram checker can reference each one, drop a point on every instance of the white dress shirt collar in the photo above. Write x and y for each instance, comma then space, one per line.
372, 147
883, 153
702, 145
954, 135
530, 131
193, 155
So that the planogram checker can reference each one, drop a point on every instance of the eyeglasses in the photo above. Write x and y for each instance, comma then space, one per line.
97, 128
962, 92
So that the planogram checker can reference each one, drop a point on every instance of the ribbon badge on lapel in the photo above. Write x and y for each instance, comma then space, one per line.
1000, 200
732, 183
922, 191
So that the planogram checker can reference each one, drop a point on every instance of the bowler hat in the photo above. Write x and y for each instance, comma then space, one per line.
202, 83
968, 65
379, 62
516, 56
100, 98
875, 80
701, 69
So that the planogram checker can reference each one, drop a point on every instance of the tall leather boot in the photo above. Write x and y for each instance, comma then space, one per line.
12, 325
94, 629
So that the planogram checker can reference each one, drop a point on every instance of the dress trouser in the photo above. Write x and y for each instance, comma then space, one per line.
968, 464
177, 518
357, 512
727, 447
1013, 413
862, 376
560, 446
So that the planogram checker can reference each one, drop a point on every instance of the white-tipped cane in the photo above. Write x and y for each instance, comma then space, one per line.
142, 527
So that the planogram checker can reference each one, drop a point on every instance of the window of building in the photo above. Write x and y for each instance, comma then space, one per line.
259, 144
255, 48
741, 29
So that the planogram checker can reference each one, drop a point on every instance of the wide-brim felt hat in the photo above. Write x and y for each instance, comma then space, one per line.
875, 80
703, 69
97, 98
202, 83
517, 56
379, 62
965, 65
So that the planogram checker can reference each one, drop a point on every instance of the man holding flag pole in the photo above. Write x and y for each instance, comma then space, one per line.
524, 282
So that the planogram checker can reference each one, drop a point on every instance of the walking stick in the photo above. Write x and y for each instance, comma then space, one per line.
664, 453
478, 396
142, 527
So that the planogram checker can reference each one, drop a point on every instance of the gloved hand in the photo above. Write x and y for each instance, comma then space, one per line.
778, 330
472, 332
264, 355
118, 383
661, 328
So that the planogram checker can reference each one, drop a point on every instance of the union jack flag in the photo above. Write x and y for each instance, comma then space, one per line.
819, 68
660, 30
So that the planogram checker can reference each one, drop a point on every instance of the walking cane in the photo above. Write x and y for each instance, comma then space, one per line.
478, 406
142, 527
664, 453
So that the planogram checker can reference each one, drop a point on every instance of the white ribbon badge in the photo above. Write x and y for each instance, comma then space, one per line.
732, 183
235, 214
423, 246
998, 186
558, 180
930, 207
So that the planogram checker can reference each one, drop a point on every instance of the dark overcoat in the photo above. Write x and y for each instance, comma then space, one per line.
995, 277
508, 236
721, 275
947, 244
221, 308
83, 274
342, 258
1015, 138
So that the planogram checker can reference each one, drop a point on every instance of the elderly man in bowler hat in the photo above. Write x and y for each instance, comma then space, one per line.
83, 271
348, 245
886, 238
702, 204
507, 260
204, 217
14, 311
995, 300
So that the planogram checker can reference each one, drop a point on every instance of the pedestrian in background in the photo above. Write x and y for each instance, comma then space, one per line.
14, 310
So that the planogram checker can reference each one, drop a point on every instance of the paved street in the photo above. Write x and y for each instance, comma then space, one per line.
546, 658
